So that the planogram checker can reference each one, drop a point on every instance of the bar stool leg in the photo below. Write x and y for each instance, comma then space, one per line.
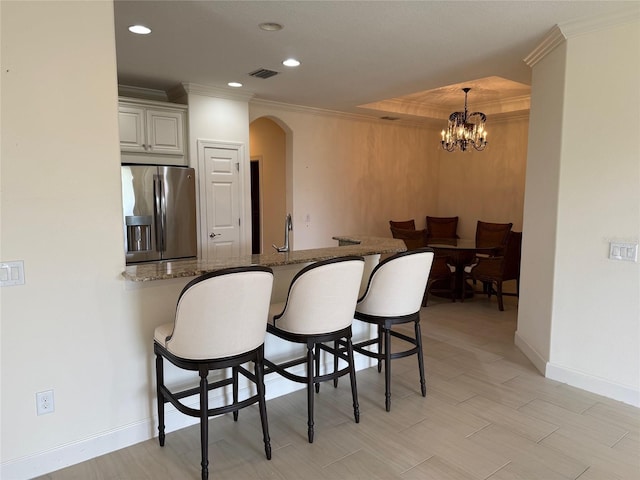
352, 377
160, 398
317, 367
310, 369
262, 403
204, 423
335, 363
387, 368
380, 332
423, 385
234, 373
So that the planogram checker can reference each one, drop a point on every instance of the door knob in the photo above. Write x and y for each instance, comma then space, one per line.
214, 235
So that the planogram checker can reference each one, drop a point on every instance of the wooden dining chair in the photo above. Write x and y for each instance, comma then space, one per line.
443, 272
445, 228
442, 278
490, 235
496, 270
413, 239
403, 224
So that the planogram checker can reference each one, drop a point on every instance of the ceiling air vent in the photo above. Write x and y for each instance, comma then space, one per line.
263, 73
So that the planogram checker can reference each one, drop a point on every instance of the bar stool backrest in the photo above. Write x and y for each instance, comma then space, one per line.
397, 284
222, 314
322, 297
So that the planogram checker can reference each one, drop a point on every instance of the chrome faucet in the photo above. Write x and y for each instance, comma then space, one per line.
288, 226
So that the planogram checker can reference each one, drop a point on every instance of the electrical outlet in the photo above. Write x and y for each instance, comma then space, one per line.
44, 402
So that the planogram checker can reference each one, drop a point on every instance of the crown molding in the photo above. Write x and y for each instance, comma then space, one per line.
142, 93
424, 110
363, 117
563, 31
581, 26
508, 117
554, 38
304, 109
209, 91
396, 106
405, 121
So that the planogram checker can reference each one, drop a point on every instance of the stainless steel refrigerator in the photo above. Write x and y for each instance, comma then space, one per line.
159, 207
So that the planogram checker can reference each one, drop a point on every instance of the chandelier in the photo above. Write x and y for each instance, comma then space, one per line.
465, 130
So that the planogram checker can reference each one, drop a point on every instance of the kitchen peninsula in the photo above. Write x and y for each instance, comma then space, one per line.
155, 288
362, 245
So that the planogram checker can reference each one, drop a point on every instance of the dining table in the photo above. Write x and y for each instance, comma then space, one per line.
461, 252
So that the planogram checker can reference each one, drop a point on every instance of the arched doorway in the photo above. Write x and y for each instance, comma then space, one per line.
267, 147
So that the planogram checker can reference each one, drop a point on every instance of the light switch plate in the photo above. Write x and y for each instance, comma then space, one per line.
627, 252
11, 273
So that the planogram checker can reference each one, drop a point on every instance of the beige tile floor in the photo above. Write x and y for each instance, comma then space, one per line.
488, 415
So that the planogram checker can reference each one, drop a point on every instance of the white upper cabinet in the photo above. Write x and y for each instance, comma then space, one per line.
165, 131
150, 128
132, 128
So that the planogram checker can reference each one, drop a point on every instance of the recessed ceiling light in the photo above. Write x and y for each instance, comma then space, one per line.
139, 29
234, 84
270, 26
291, 62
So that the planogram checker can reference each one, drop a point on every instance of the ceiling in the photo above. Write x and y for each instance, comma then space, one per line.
406, 59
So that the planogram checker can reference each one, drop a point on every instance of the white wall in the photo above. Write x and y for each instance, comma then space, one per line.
215, 118
76, 326
583, 320
61, 213
540, 208
596, 324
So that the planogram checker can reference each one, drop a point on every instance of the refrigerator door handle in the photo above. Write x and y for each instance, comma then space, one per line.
160, 212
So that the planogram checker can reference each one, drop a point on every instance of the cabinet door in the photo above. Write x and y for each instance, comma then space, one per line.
165, 132
132, 132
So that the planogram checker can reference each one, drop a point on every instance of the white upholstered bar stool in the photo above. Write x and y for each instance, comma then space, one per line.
319, 308
220, 323
393, 297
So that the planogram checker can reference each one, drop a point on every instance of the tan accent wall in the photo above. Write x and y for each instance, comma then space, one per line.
268, 144
354, 175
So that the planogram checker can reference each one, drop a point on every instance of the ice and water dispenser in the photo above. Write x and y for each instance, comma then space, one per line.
138, 233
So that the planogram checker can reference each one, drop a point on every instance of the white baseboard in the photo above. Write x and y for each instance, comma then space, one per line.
531, 353
51, 460
593, 384
576, 378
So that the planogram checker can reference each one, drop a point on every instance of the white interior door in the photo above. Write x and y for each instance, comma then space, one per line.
222, 202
